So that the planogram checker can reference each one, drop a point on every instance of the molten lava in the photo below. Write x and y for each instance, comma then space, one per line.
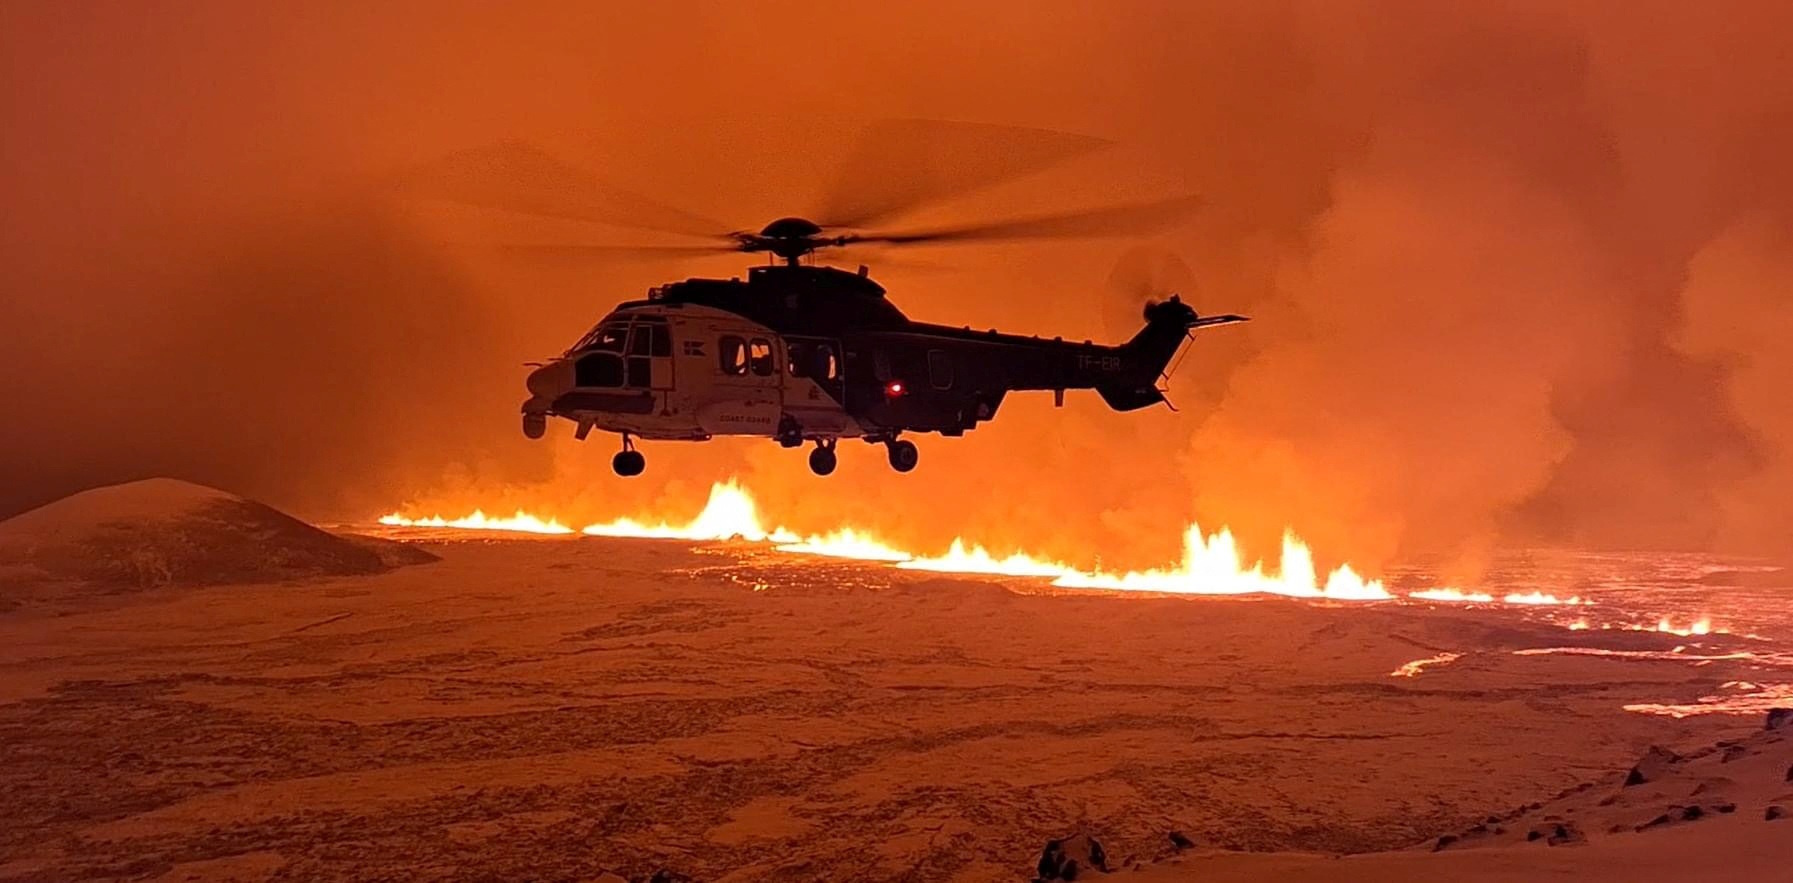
1212, 563
521, 523
1456, 596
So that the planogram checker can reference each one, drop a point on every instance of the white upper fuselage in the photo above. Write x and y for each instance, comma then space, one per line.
686, 371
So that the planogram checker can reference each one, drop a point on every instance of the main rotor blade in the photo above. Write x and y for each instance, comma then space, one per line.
589, 253
1120, 220
902, 165
519, 177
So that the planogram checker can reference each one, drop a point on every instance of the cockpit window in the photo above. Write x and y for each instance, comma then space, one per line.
641, 341
608, 337
599, 370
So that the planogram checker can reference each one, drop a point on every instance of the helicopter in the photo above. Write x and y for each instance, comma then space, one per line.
805, 353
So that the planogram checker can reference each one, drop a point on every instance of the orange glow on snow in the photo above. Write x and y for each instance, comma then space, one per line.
1211, 564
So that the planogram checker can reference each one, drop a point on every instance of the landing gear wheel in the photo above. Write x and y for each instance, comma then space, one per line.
903, 455
628, 463
535, 425
822, 460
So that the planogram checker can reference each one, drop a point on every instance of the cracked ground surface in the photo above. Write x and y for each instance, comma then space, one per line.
550, 709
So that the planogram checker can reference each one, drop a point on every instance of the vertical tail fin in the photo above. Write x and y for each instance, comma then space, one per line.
1168, 324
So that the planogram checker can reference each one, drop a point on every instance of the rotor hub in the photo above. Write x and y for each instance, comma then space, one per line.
791, 228
788, 238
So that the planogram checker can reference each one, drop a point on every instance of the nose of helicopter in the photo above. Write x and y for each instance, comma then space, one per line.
550, 381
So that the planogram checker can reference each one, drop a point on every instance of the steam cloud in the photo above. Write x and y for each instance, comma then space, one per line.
1519, 272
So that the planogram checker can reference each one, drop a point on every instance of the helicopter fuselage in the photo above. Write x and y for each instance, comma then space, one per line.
805, 353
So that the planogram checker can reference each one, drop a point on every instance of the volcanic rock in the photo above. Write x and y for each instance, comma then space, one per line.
1778, 718
1652, 766
161, 531
1564, 833
1067, 858
1775, 811
1181, 842
1734, 752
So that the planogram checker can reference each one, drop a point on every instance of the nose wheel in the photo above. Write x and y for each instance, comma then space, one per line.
903, 455
628, 461
822, 460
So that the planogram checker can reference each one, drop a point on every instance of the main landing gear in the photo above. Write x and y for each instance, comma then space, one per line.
822, 460
903, 455
628, 461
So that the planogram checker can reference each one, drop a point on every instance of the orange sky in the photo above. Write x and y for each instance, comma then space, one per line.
1518, 270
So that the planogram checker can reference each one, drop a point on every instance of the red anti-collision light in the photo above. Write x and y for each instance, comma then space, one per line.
893, 388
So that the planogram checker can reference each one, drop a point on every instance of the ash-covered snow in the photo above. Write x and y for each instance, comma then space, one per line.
164, 531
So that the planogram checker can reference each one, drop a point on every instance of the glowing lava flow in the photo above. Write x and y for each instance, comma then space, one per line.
1211, 564
521, 523
1455, 596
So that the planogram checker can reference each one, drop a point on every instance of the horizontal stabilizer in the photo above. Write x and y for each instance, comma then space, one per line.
1227, 319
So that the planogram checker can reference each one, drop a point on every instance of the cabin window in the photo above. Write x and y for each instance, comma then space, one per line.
599, 370
759, 356
733, 352
940, 369
662, 343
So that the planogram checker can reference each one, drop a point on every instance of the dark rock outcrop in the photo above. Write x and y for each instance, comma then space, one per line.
1778, 718
1652, 766
1070, 857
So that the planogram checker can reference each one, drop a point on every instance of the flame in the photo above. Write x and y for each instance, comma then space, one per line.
729, 514
1701, 626
1211, 564
958, 559
846, 543
522, 522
